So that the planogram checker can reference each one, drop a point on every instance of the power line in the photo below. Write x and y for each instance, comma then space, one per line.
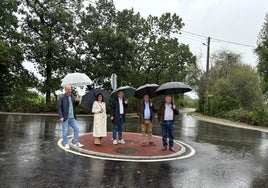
202, 36
191, 37
218, 40
235, 43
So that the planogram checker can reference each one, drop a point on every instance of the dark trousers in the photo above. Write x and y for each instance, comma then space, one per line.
167, 128
119, 129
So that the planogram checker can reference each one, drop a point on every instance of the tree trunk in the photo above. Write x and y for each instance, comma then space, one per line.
48, 83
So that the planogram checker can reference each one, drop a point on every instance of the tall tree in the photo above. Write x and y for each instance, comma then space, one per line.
262, 52
15, 79
159, 57
48, 27
107, 50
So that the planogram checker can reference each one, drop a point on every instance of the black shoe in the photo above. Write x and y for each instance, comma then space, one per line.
151, 143
171, 149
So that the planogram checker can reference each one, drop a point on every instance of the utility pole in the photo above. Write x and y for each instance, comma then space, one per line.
207, 78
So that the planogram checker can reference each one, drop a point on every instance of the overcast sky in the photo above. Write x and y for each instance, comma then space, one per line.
237, 21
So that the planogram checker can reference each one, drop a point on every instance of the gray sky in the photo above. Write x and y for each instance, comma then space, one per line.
230, 20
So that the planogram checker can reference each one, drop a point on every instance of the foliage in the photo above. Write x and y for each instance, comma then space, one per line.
257, 116
262, 52
14, 77
234, 89
94, 38
30, 102
47, 27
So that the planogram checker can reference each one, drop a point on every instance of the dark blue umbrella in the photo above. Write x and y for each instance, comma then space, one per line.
89, 98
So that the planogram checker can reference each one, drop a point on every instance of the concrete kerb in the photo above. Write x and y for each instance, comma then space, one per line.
185, 152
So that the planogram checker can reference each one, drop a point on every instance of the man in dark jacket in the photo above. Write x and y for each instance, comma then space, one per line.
66, 110
145, 111
118, 116
166, 117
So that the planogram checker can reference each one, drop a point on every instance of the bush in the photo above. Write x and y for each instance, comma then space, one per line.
257, 116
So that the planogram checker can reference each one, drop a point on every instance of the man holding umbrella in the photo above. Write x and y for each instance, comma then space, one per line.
166, 117
145, 111
118, 113
66, 110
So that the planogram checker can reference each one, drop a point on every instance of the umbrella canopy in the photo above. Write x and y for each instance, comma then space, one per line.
127, 90
76, 79
172, 88
147, 89
89, 98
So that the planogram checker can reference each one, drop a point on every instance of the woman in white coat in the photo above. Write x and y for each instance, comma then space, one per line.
100, 119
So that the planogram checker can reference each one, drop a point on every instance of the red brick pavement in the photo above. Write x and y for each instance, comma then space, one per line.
133, 146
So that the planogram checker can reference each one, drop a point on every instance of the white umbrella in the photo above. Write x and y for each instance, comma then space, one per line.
76, 79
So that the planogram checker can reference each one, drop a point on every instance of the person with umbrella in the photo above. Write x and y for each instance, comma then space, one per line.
166, 117
118, 116
66, 110
145, 111
100, 119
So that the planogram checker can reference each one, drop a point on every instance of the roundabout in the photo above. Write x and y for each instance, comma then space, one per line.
133, 150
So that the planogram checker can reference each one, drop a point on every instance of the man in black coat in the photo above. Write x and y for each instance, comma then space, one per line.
66, 110
118, 116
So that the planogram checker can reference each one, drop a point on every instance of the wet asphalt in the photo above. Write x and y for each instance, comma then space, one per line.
225, 157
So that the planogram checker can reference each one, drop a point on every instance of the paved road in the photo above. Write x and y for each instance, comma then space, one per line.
225, 157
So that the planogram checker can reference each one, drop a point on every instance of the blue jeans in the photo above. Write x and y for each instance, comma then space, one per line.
167, 128
118, 128
72, 122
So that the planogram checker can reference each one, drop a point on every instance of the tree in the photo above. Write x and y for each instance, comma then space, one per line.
15, 79
232, 84
48, 29
106, 50
167, 59
262, 52
159, 57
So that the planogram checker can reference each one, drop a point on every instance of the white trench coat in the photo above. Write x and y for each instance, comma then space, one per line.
100, 119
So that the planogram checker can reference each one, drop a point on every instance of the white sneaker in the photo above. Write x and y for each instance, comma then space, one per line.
122, 141
79, 145
115, 142
67, 146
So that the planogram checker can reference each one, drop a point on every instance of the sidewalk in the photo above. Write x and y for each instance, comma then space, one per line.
228, 123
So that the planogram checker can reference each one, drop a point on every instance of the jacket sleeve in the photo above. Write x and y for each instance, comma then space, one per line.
139, 110
60, 107
159, 113
95, 108
76, 103
125, 105
176, 111
112, 108
154, 108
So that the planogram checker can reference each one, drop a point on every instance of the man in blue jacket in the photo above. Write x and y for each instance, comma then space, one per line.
66, 110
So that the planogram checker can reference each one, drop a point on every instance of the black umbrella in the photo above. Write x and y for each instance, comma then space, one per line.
147, 89
173, 88
89, 98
